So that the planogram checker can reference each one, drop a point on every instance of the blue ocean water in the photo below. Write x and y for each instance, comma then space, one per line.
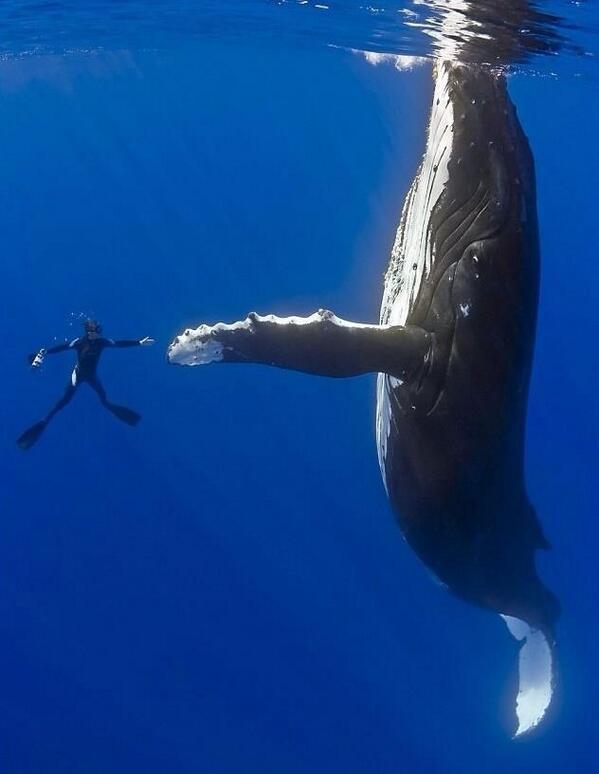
224, 588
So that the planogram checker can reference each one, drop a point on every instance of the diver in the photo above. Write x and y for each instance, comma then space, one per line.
88, 348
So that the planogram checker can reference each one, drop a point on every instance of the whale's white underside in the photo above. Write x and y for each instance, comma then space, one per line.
413, 255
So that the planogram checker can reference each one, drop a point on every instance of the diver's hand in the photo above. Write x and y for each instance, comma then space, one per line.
146, 341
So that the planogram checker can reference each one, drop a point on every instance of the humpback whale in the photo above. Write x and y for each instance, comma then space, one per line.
453, 351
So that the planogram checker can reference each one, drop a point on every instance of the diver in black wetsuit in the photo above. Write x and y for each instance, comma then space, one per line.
89, 348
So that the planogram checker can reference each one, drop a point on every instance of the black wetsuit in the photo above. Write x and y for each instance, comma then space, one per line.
88, 348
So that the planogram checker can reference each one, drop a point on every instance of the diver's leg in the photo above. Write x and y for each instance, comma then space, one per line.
121, 412
33, 433
320, 344
98, 388
66, 398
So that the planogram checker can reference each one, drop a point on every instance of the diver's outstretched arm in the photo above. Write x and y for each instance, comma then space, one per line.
121, 343
61, 347
320, 344
35, 359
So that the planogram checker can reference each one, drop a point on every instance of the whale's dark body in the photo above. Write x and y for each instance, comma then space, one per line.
451, 440
453, 351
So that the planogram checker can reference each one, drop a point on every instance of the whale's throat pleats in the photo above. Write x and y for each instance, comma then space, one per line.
412, 256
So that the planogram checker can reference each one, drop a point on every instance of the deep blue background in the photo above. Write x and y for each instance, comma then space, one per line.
223, 589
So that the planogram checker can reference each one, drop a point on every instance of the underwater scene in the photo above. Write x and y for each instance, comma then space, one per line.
299, 426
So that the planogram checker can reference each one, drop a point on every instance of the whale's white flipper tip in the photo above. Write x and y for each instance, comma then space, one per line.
195, 347
535, 674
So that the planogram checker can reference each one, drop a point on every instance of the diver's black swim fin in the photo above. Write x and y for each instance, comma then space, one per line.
125, 414
30, 436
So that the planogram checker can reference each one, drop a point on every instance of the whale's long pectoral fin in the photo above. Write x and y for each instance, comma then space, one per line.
320, 344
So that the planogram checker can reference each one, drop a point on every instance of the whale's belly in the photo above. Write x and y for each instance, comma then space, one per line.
464, 266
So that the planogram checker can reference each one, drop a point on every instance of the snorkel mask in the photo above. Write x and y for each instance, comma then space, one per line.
93, 329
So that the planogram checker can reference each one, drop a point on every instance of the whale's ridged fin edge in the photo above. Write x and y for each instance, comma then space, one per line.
536, 674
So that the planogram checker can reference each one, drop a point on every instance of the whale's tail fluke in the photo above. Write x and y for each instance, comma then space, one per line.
536, 673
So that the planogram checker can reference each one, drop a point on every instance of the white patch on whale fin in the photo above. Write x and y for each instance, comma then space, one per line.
535, 673
194, 347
